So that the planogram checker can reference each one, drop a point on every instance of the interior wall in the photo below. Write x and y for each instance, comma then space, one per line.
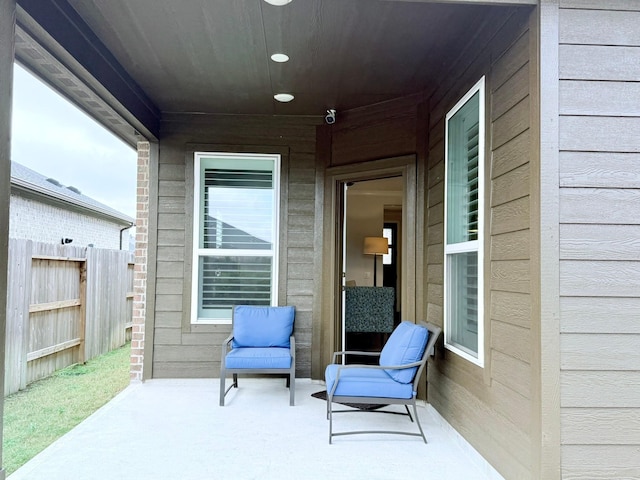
496, 408
365, 218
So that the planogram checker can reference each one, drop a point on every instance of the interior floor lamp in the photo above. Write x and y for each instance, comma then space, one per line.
375, 246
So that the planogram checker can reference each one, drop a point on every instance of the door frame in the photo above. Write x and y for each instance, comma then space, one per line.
335, 178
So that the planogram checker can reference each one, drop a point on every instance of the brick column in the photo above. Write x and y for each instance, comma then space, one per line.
140, 268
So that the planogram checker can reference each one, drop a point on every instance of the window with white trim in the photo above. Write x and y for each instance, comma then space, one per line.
235, 233
463, 244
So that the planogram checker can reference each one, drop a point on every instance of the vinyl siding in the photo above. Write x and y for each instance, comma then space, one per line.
599, 88
493, 407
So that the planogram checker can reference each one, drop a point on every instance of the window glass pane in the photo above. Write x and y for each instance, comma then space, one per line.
388, 234
236, 224
386, 258
462, 173
463, 300
233, 280
238, 209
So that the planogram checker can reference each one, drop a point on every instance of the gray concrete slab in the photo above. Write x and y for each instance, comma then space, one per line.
174, 429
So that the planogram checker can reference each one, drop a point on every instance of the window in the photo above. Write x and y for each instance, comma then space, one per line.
463, 245
387, 258
235, 233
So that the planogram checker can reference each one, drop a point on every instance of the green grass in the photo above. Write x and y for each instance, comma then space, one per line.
47, 409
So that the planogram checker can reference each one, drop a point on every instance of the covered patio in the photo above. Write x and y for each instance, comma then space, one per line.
177, 79
175, 429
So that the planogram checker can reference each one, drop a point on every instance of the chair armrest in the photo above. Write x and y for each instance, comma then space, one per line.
373, 367
354, 352
292, 347
379, 367
224, 350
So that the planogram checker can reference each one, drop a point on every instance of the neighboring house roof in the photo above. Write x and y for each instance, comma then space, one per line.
32, 184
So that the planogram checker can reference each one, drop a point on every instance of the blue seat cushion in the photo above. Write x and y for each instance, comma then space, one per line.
262, 326
405, 345
249, 357
365, 382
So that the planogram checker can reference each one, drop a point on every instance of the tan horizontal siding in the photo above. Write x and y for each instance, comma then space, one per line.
600, 206
599, 98
511, 245
597, 462
612, 351
600, 462
180, 348
512, 154
595, 62
599, 426
514, 341
509, 64
593, 27
597, 315
510, 186
599, 278
510, 307
492, 406
598, 389
510, 217
599, 169
599, 242
600, 134
599, 122
501, 439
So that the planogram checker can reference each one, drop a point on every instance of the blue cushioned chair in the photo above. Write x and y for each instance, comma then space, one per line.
393, 381
262, 341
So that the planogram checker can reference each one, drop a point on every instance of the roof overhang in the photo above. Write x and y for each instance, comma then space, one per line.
54, 43
130, 64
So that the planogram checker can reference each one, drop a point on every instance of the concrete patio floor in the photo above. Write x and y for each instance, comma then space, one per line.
174, 429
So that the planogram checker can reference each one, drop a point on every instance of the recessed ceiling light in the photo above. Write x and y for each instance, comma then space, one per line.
280, 57
283, 97
278, 3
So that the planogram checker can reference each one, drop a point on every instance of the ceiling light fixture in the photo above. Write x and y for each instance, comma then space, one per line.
280, 57
278, 3
283, 97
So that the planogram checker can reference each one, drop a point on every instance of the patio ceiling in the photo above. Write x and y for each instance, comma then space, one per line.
212, 56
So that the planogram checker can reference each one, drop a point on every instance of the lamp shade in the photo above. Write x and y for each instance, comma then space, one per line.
376, 246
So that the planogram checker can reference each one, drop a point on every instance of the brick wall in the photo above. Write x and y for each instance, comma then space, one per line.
140, 269
40, 222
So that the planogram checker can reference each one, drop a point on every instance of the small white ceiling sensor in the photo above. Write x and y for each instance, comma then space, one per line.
283, 97
278, 3
280, 57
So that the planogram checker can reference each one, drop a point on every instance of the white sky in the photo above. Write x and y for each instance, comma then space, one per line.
56, 139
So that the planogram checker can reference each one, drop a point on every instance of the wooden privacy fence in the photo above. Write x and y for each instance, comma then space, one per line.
65, 305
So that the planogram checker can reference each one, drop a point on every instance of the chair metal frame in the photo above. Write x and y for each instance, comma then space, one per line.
289, 372
434, 333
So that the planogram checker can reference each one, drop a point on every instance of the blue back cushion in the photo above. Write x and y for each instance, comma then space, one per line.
405, 345
262, 326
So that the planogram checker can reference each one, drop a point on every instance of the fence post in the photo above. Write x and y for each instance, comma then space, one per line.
83, 310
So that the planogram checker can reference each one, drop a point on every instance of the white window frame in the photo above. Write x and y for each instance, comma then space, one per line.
197, 226
476, 246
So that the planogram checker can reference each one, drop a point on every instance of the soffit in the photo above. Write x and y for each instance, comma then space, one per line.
212, 56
